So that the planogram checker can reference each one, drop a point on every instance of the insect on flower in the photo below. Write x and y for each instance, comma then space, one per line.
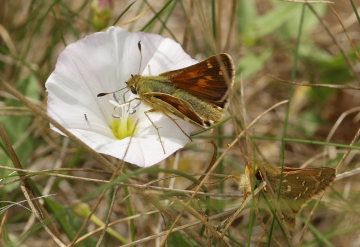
103, 62
197, 94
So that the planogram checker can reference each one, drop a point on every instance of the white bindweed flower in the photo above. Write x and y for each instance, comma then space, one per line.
103, 62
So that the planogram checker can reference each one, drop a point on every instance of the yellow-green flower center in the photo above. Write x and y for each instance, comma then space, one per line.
123, 127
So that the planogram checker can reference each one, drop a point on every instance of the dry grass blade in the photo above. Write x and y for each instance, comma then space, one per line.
116, 173
233, 217
347, 174
101, 181
204, 221
353, 141
353, 45
306, 84
332, 36
179, 228
39, 211
134, 19
7, 40
110, 224
308, 1
218, 162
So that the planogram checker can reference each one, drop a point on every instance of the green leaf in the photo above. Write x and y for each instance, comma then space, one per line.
250, 64
283, 19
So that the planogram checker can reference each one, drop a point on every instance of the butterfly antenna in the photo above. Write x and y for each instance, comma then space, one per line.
103, 94
139, 47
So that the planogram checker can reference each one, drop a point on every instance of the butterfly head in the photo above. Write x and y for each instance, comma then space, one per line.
133, 83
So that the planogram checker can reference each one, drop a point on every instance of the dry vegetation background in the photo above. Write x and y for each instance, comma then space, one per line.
271, 42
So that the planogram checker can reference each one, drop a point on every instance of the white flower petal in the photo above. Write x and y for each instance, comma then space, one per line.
103, 62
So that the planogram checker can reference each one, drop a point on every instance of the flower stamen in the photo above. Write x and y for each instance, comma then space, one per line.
123, 124
123, 127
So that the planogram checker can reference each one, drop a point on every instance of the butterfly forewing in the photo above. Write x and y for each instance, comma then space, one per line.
305, 183
208, 80
298, 186
297, 183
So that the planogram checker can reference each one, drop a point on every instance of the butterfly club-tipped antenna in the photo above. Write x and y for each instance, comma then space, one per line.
139, 47
113, 93
107, 93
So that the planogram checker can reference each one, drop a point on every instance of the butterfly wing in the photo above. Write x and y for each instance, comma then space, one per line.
305, 183
208, 80
298, 183
301, 185
298, 186
176, 106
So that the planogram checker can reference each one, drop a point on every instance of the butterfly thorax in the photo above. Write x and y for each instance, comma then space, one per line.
137, 84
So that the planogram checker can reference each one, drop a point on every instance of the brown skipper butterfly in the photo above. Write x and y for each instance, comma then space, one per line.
298, 186
197, 94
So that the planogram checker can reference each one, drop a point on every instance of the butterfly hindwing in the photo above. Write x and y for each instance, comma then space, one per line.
176, 106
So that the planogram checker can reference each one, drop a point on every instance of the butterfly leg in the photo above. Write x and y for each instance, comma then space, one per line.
119, 105
156, 128
177, 125
127, 102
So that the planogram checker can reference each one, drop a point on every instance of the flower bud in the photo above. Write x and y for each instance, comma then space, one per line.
102, 13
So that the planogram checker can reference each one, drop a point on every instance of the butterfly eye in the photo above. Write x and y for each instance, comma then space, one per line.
133, 90
258, 175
